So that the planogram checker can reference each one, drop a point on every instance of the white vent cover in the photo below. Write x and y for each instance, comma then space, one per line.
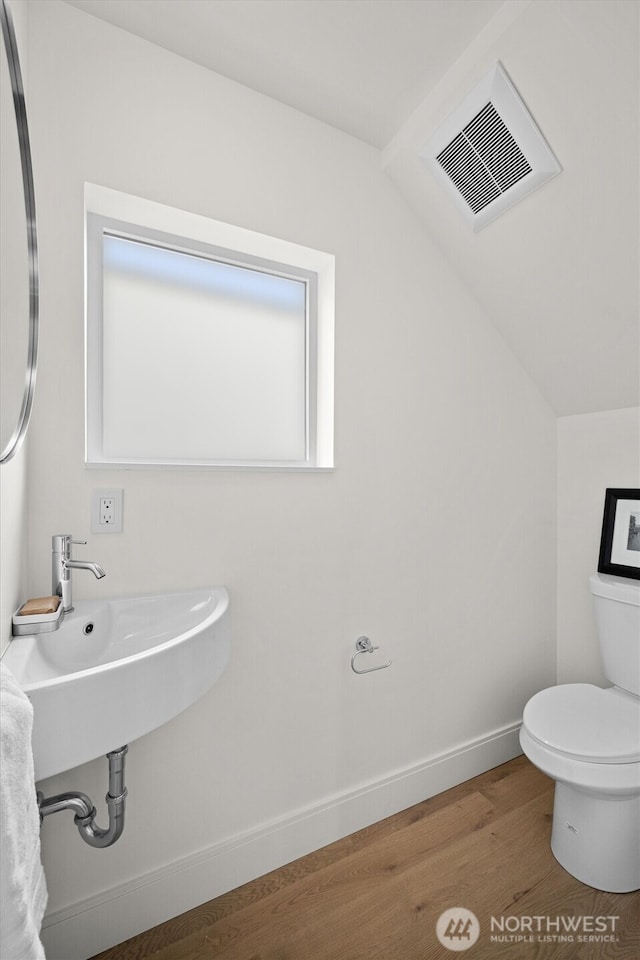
489, 154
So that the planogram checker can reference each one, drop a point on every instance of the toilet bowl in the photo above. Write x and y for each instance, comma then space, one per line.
587, 739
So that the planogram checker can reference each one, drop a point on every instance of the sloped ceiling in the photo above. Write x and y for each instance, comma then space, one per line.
559, 274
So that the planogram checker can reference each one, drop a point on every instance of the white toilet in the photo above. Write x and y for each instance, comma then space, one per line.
588, 740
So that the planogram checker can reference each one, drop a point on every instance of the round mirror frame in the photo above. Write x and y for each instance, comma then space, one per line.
17, 89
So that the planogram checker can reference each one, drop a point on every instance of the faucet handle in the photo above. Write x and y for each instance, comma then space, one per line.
61, 543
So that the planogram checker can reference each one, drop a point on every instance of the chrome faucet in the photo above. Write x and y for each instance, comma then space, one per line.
62, 564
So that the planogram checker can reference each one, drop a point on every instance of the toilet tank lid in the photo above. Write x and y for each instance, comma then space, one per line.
615, 588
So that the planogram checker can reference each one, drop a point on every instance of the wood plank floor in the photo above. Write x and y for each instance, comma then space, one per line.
377, 894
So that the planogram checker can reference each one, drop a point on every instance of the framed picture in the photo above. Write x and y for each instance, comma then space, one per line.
620, 541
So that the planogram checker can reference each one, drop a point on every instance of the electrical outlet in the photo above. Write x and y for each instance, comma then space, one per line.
106, 511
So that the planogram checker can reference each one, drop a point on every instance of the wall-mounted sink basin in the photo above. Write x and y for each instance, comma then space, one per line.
117, 669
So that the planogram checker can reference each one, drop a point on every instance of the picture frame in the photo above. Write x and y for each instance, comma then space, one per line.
620, 540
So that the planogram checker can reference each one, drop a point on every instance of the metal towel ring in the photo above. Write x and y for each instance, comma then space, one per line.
364, 645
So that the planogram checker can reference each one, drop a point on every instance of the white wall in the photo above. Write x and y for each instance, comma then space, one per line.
595, 451
435, 534
13, 475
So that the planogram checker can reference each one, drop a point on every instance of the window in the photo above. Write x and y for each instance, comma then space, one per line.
203, 354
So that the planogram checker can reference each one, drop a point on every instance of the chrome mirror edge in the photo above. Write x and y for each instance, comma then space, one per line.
11, 47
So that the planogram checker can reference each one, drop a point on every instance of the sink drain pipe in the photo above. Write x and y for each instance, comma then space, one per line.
85, 812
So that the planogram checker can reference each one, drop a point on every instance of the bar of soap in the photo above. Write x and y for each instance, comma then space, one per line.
39, 605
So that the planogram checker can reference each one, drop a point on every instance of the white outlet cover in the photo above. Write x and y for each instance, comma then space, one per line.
115, 494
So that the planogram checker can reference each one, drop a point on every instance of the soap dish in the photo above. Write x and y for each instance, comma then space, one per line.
24, 626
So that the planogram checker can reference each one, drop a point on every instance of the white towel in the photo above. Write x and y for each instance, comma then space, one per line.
23, 891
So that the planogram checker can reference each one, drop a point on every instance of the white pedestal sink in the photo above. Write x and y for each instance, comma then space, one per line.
117, 669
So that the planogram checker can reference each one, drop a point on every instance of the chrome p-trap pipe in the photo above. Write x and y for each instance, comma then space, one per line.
85, 812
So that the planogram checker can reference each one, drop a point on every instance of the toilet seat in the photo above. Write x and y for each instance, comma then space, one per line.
586, 723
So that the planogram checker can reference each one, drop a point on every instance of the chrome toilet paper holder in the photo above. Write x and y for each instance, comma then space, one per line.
364, 645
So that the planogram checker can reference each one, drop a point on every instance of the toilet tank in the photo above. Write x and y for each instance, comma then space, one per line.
617, 608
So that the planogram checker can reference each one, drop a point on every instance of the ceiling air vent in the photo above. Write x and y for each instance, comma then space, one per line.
489, 154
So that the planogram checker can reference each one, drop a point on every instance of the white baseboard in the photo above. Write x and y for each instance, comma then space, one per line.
89, 926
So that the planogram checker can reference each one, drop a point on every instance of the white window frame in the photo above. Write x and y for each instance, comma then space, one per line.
132, 217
